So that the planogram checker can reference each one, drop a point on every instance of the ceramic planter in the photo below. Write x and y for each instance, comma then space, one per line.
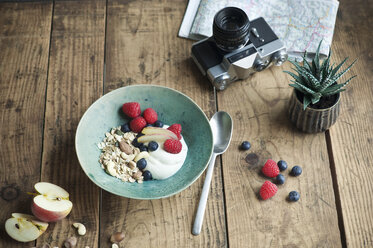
312, 120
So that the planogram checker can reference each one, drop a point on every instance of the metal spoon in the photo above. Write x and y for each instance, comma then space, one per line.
222, 125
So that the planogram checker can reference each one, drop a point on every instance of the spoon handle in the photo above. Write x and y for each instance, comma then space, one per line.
204, 195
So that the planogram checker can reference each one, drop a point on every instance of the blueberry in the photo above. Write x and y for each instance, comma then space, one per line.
280, 179
149, 125
152, 146
296, 171
141, 164
245, 145
125, 128
147, 175
135, 143
158, 123
282, 165
139, 135
143, 148
294, 196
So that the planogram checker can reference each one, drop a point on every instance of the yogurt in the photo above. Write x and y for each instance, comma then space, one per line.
163, 164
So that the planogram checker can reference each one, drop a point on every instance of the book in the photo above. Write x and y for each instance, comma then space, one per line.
300, 24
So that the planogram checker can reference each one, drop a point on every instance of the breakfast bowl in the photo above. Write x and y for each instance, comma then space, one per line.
172, 107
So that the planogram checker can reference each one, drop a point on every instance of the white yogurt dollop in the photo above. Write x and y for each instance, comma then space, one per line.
163, 164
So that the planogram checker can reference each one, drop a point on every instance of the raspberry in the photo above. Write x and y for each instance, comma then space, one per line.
172, 146
176, 129
150, 115
137, 124
267, 190
131, 109
270, 169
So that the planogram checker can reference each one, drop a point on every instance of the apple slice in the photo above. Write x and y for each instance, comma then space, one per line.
42, 226
158, 130
154, 137
52, 202
24, 227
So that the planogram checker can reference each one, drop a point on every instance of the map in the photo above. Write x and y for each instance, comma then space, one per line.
300, 24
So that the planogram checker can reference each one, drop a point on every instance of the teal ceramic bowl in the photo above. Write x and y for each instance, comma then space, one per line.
172, 107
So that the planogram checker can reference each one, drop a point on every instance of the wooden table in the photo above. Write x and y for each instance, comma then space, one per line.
56, 58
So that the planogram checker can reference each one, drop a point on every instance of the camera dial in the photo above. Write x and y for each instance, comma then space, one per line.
280, 57
260, 64
222, 81
231, 28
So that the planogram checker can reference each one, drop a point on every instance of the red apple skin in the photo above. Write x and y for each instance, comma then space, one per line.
46, 215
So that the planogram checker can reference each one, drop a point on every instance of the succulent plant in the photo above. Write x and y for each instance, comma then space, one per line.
318, 78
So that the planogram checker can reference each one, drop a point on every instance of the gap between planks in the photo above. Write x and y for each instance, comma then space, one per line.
103, 93
222, 176
45, 96
336, 189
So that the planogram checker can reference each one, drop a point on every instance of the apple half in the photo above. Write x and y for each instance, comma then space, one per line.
24, 227
52, 202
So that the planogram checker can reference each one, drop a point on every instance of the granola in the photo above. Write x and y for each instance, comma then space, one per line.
118, 155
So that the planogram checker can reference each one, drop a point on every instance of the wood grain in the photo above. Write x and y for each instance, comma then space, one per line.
75, 80
352, 135
258, 106
142, 48
24, 45
40, 107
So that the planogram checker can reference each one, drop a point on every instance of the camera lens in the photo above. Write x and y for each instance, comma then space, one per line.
231, 28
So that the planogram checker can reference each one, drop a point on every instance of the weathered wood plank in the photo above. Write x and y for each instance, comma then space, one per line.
258, 108
142, 48
75, 80
352, 135
24, 46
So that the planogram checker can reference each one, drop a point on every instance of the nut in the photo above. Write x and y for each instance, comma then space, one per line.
137, 175
131, 165
124, 147
81, 228
119, 132
110, 168
129, 136
127, 157
136, 150
70, 242
131, 157
117, 237
46, 246
141, 155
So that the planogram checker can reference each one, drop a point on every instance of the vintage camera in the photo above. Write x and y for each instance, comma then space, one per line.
238, 48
